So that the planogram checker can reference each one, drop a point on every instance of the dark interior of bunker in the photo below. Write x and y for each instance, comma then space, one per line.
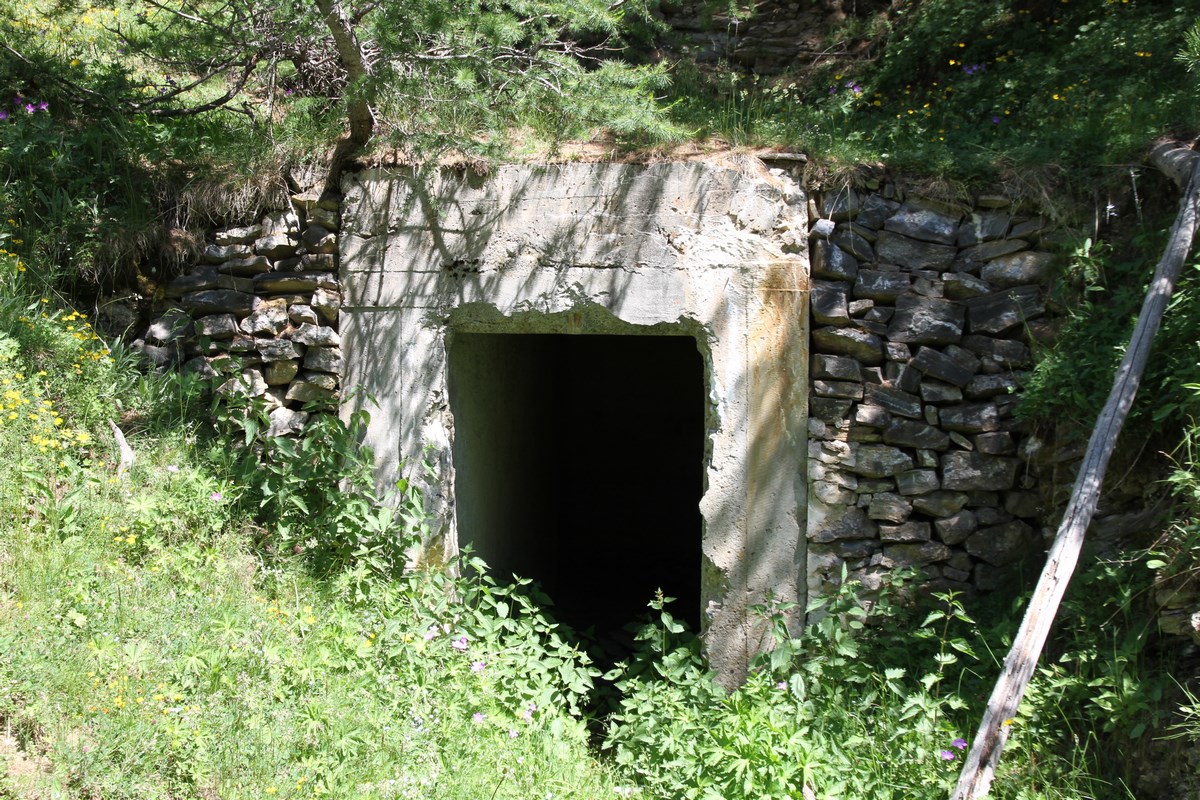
579, 464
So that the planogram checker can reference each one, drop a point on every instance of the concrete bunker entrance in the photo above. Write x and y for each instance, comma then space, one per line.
579, 463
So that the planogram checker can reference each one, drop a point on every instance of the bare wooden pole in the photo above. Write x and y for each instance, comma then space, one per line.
980, 767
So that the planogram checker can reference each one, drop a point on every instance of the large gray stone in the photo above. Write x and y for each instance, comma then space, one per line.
893, 248
306, 392
970, 418
885, 286
324, 359
220, 301
278, 373
941, 366
849, 390
278, 349
246, 267
828, 300
1018, 269
964, 286
245, 235
940, 503
955, 528
984, 387
854, 342
293, 282
871, 416
923, 224
889, 507
875, 211
917, 482
854, 243
270, 319
926, 320
215, 253
915, 554
317, 336
905, 532
893, 400
938, 392
196, 281
847, 522
285, 422
327, 302
217, 326
966, 471
880, 461
983, 227
275, 245
1007, 352
838, 368
840, 205
911, 433
1000, 545
1002, 311
991, 250
831, 261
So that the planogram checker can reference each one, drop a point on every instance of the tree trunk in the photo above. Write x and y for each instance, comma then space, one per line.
1179, 164
358, 69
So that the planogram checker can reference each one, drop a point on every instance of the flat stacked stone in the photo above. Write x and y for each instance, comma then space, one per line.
259, 312
919, 333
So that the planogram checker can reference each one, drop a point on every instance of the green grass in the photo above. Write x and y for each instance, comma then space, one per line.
970, 91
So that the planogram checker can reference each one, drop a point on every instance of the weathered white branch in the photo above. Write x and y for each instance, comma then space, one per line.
127, 456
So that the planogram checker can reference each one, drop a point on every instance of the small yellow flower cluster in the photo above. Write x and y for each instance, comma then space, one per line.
120, 692
19, 403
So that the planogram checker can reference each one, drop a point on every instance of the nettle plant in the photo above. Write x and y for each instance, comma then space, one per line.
850, 708
315, 493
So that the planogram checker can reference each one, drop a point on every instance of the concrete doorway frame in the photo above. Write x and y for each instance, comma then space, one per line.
715, 252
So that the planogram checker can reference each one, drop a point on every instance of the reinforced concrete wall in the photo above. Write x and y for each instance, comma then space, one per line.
714, 253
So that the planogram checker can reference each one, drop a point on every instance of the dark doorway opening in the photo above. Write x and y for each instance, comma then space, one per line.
579, 463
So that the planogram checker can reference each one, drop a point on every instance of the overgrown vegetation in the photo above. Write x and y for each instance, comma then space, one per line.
1039, 91
233, 618
183, 631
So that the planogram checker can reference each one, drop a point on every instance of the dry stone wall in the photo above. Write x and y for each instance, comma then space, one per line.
922, 315
261, 310
921, 319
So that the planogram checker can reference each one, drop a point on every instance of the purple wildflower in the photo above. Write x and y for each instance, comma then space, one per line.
460, 644
995, 120
30, 108
512, 734
946, 755
477, 718
781, 685
43, 106
478, 666
528, 715
431, 633
833, 90
216, 497
961, 744
18, 100
3, 114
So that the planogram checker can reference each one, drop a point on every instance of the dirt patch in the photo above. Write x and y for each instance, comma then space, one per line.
18, 770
